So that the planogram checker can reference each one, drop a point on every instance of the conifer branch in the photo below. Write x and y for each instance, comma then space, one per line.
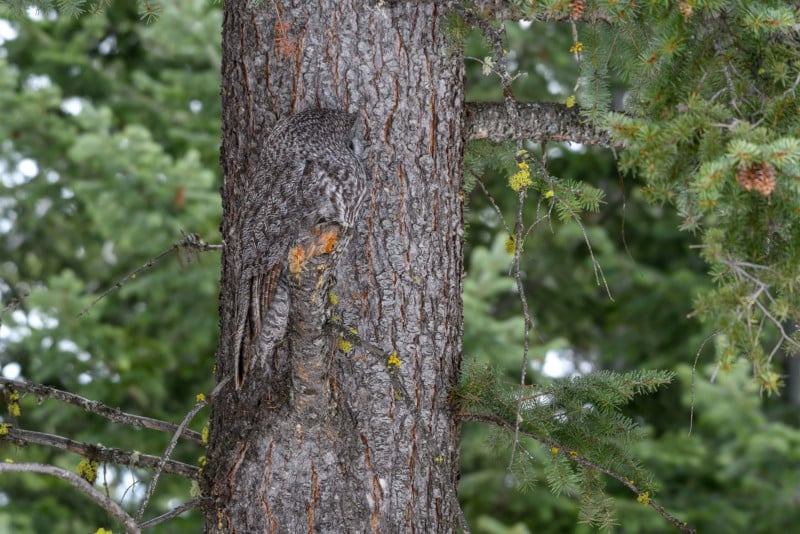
81, 485
505, 10
24, 438
556, 448
98, 408
190, 242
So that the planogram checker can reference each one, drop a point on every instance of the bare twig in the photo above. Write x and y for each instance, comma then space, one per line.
493, 203
580, 460
23, 438
171, 446
80, 484
500, 67
98, 408
694, 372
189, 242
175, 512
738, 269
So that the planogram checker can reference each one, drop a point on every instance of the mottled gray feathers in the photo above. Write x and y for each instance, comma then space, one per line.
308, 174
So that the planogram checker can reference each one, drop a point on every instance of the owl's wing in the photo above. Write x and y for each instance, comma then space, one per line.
257, 309
264, 234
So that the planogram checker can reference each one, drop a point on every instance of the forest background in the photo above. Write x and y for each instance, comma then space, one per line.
109, 149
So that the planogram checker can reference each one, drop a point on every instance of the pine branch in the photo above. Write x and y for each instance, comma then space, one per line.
557, 448
112, 414
24, 438
535, 121
81, 485
505, 10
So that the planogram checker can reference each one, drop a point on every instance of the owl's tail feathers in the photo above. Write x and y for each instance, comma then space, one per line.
254, 302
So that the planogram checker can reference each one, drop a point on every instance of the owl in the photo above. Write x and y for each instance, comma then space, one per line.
309, 177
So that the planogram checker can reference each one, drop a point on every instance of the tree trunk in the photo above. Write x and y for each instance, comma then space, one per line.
340, 448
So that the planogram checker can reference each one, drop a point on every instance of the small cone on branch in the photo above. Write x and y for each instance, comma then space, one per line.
686, 10
576, 8
757, 176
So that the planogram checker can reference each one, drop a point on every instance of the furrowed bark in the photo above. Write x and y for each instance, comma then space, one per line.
348, 455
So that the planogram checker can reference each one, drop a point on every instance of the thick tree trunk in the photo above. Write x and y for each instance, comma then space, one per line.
341, 449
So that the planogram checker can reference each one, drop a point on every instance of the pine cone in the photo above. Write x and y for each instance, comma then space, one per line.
757, 176
576, 8
686, 10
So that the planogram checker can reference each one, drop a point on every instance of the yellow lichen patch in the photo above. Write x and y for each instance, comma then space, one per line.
13, 403
344, 345
87, 470
511, 244
521, 178
393, 361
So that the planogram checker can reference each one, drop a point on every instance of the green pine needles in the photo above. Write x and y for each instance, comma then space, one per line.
572, 428
711, 124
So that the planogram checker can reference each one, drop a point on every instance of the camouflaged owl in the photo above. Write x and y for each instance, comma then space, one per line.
310, 176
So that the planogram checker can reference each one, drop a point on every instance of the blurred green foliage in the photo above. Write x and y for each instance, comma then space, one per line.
738, 470
109, 147
109, 139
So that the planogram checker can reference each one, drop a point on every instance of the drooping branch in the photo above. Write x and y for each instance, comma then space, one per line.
97, 496
112, 414
23, 438
546, 121
557, 448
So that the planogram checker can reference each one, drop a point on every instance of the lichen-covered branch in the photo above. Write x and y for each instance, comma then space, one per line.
80, 484
546, 121
98, 408
23, 438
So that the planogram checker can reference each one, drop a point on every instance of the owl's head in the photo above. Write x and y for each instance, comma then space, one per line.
318, 127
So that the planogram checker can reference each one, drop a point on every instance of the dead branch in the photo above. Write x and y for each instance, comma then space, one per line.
98, 408
175, 512
191, 242
24, 438
171, 446
81, 485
